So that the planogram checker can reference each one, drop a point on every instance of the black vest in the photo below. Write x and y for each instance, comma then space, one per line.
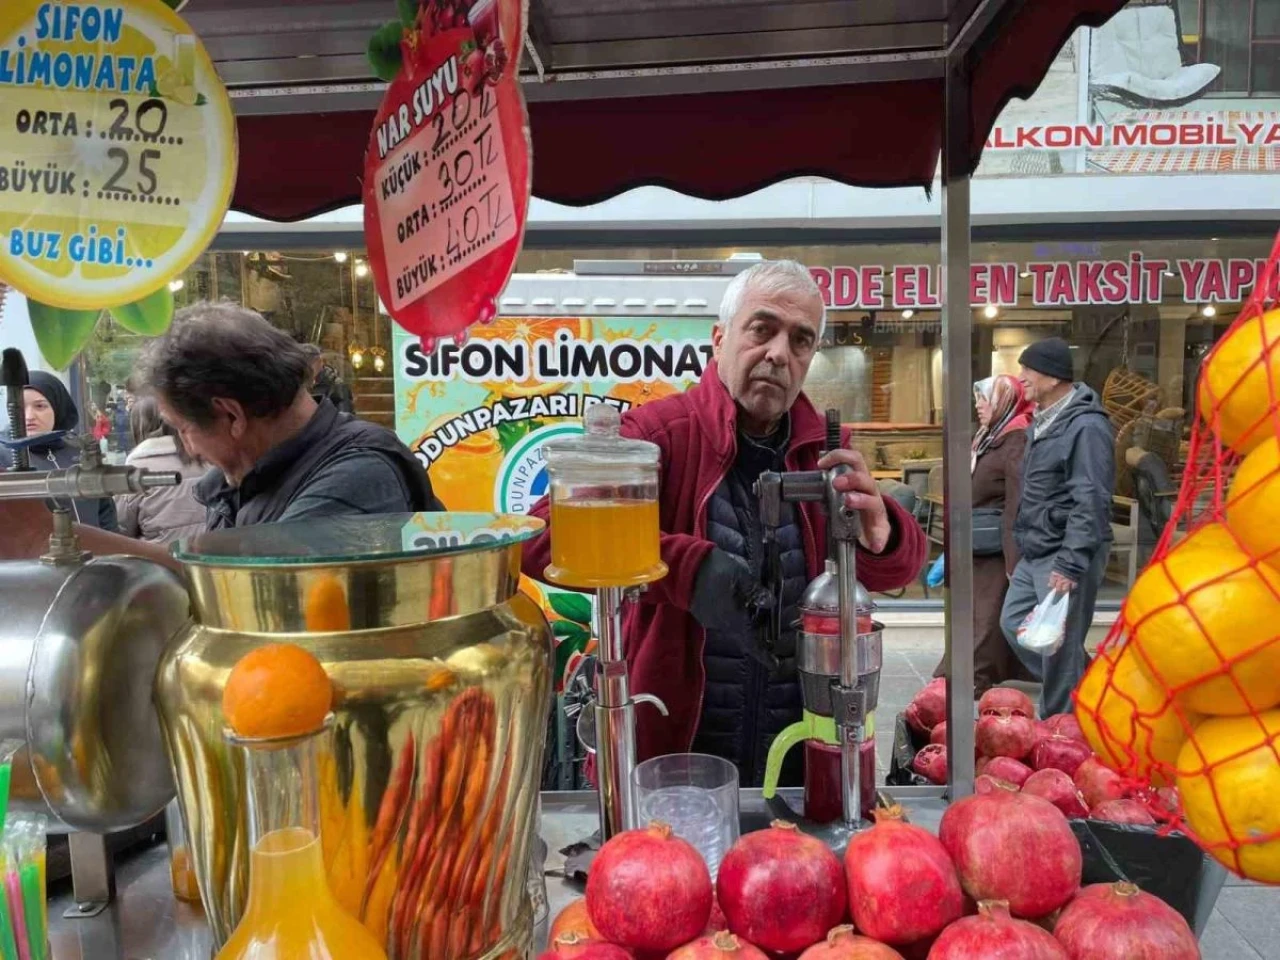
284, 472
744, 707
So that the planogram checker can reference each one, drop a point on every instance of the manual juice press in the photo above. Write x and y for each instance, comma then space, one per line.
604, 537
838, 658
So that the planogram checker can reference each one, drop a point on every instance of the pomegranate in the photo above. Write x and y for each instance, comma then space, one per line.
1042, 733
928, 707
994, 935
781, 889
1006, 700
1065, 725
988, 784
1098, 783
570, 946
649, 890
1005, 735
1117, 921
1006, 768
574, 919
981, 766
939, 734
1122, 811
718, 946
843, 944
716, 922
1056, 787
1060, 753
902, 885
931, 763
995, 839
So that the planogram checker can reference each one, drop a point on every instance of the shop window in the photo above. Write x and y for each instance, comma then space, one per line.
1241, 36
316, 296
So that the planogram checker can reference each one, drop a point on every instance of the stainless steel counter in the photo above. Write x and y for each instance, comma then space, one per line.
145, 922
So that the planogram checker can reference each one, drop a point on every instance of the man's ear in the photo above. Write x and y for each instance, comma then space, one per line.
234, 414
717, 338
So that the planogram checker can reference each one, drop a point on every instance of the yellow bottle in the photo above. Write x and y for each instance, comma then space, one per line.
291, 913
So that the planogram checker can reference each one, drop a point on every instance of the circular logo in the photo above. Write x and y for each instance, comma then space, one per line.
522, 478
119, 153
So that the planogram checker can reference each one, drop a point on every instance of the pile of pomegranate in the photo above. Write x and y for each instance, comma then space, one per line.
1000, 881
1017, 753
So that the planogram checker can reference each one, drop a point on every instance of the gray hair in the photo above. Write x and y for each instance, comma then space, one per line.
225, 350
771, 276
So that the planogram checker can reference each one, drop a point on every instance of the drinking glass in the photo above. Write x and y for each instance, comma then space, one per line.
697, 795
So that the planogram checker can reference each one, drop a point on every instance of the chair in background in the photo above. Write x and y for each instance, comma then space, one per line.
1136, 61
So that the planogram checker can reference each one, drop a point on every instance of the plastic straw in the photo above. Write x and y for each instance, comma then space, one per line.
14, 887
34, 907
8, 944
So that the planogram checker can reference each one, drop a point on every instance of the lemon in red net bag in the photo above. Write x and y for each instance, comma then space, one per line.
1205, 623
1253, 502
1131, 722
1229, 782
1240, 382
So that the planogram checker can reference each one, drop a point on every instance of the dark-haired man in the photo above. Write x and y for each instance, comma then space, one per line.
237, 391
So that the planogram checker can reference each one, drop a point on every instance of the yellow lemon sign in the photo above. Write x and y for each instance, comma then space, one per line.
117, 151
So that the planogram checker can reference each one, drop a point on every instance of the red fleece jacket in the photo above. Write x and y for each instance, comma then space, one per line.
696, 432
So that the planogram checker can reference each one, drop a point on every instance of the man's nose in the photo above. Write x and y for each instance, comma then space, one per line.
779, 352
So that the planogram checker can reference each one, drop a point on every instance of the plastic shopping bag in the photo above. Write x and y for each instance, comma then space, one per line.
1045, 628
937, 571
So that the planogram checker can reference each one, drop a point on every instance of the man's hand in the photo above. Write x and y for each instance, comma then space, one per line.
728, 599
1060, 584
861, 494
25, 527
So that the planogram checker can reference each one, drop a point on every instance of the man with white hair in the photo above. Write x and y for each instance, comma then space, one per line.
696, 639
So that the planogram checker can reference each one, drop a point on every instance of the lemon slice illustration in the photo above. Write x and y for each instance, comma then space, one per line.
122, 160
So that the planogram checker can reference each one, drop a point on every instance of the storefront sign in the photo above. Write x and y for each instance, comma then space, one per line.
1052, 283
478, 414
446, 185
117, 150
1213, 131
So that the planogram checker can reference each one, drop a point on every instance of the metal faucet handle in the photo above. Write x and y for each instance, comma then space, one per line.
650, 698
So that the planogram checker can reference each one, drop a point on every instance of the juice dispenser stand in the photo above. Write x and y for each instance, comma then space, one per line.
442, 676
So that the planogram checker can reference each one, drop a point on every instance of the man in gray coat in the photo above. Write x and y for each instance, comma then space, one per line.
1063, 527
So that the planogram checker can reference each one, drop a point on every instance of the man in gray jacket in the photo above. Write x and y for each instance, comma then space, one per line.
1063, 527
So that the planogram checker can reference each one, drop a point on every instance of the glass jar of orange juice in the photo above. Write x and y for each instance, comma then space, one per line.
604, 506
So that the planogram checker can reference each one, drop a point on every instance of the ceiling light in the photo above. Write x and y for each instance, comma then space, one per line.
362, 269
1025, 274
1209, 310
991, 311
1170, 273
908, 314
340, 256
176, 285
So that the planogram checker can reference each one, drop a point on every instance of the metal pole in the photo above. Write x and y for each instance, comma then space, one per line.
957, 367
615, 720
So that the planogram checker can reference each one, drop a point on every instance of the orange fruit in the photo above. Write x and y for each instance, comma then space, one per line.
1228, 779
1131, 722
575, 920
277, 690
326, 609
1205, 620
1253, 502
1241, 383
530, 330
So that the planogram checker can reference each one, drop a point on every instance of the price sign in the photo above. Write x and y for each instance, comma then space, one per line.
446, 187
117, 150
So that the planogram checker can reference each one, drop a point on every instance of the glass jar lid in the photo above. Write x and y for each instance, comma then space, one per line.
345, 540
602, 445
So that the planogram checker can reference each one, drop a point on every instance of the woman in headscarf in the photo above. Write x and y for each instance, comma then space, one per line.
50, 409
1004, 413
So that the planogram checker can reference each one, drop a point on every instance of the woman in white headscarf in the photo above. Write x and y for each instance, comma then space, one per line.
1004, 413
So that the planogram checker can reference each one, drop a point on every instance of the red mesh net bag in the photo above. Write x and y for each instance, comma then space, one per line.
1185, 691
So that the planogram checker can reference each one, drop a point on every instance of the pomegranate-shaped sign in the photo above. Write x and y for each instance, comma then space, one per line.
446, 171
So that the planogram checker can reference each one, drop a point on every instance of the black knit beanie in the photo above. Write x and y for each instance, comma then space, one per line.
1051, 357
